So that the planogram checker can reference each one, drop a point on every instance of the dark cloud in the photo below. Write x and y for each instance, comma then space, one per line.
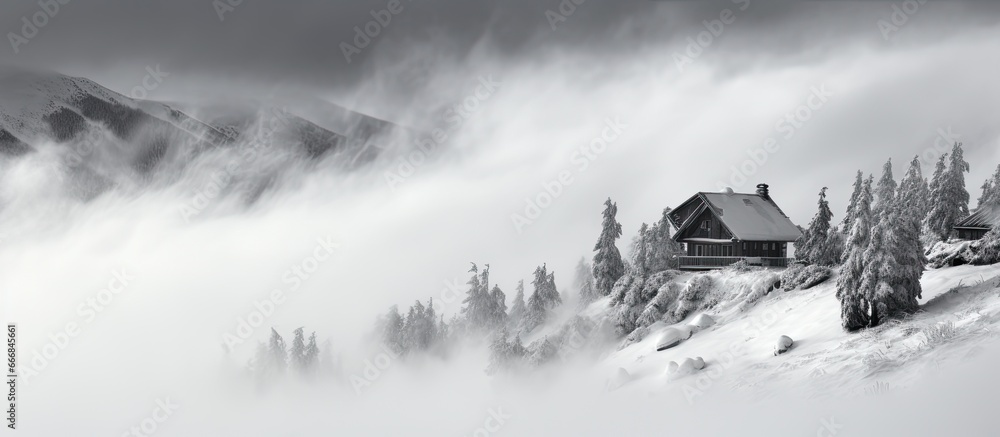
298, 41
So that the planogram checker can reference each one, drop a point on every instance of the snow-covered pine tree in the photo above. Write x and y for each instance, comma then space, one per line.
821, 246
909, 250
542, 300
949, 198
852, 205
608, 265
853, 306
931, 220
638, 251
885, 191
392, 330
505, 355
420, 329
278, 353
476, 303
584, 282
498, 309
312, 354
887, 281
518, 309
663, 249
297, 354
991, 191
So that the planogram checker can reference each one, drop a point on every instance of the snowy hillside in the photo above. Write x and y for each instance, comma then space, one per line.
959, 310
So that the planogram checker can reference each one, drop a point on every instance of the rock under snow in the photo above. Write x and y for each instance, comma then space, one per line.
672, 337
783, 345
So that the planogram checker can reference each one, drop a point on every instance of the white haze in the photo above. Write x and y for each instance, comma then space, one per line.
161, 337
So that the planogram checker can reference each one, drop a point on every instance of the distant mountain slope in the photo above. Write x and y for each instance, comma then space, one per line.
39, 107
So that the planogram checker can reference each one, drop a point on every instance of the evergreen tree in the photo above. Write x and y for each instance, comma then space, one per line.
885, 191
392, 330
544, 298
991, 191
278, 353
420, 329
476, 307
584, 281
638, 252
821, 244
853, 204
949, 199
894, 258
608, 265
518, 308
505, 355
298, 352
498, 309
853, 305
909, 250
311, 354
663, 250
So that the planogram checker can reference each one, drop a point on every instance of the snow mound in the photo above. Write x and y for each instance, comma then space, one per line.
620, 378
703, 321
672, 337
783, 345
687, 366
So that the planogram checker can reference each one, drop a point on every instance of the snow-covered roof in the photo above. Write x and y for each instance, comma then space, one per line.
984, 218
749, 217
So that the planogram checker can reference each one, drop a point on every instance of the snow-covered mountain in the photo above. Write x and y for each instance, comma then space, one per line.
100, 126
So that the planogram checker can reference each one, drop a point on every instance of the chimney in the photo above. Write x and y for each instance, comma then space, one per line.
762, 191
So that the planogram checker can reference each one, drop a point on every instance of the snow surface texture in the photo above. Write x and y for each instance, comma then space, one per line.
961, 306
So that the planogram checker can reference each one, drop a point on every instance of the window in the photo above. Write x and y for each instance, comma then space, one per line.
706, 225
747, 202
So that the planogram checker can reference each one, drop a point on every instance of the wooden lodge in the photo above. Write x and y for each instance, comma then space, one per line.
719, 229
979, 223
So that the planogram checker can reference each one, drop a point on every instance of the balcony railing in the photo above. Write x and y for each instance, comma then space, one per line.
718, 262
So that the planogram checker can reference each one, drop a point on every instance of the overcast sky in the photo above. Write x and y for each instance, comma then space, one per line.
298, 41
889, 91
